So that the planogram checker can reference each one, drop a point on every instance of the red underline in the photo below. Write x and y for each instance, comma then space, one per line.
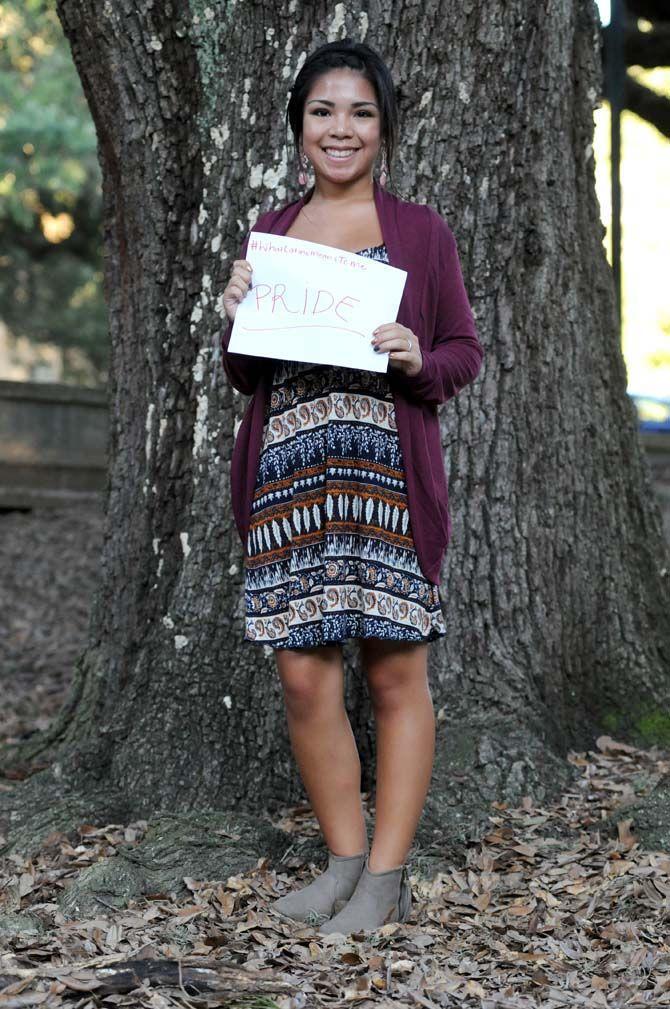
273, 329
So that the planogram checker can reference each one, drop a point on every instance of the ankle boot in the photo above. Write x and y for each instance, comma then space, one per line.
379, 897
328, 893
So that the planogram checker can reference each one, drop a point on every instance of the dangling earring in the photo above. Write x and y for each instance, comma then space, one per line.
302, 176
383, 174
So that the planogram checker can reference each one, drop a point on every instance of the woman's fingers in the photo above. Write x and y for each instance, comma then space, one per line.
240, 280
237, 287
241, 274
387, 343
241, 277
242, 269
390, 335
393, 339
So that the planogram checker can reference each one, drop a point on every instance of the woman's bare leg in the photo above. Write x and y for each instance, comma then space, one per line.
323, 743
398, 680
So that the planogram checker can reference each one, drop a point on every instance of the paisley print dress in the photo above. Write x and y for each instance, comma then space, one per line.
330, 553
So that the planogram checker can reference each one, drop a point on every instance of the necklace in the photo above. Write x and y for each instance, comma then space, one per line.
302, 211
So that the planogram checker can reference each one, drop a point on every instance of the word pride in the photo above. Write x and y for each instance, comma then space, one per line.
276, 297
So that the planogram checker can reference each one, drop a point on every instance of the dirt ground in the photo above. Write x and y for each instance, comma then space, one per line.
49, 562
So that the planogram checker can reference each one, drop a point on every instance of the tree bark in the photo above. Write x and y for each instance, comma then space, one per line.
556, 580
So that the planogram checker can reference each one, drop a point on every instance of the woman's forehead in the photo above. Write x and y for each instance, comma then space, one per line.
342, 85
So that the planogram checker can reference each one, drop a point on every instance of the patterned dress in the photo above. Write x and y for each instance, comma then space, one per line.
330, 553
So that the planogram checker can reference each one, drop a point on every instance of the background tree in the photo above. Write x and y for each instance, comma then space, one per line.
556, 580
647, 45
50, 201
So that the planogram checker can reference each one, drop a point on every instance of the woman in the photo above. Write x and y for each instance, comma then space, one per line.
340, 495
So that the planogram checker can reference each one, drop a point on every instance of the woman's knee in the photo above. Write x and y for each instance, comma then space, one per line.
395, 683
309, 686
388, 689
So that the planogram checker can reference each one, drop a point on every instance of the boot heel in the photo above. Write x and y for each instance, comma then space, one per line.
405, 899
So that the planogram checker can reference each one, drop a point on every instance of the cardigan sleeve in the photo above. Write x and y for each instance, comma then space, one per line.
244, 371
456, 354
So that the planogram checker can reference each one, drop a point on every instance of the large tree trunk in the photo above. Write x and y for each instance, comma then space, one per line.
556, 582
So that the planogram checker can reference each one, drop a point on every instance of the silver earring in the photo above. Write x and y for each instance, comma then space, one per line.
302, 174
383, 174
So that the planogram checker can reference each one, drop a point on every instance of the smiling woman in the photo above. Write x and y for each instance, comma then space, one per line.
339, 490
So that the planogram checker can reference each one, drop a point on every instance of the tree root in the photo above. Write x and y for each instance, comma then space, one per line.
37, 807
209, 844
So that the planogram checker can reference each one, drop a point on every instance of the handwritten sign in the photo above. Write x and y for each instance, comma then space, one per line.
314, 303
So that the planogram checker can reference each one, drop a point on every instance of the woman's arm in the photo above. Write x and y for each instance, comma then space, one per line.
244, 371
456, 355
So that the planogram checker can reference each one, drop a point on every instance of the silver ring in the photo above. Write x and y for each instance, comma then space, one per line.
409, 344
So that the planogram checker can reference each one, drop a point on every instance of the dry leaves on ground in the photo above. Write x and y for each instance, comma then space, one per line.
545, 911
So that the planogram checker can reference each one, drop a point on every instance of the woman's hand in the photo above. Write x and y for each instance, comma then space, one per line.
237, 287
395, 339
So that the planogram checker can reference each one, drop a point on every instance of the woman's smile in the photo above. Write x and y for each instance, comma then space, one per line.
340, 153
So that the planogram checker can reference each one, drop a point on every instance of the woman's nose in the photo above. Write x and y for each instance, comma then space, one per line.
341, 125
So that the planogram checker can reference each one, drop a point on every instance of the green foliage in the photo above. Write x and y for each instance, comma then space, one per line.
50, 194
654, 727
611, 721
644, 726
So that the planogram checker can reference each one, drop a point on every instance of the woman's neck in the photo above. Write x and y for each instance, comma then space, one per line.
336, 194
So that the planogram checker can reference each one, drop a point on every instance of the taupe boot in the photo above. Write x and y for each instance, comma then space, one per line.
328, 893
379, 897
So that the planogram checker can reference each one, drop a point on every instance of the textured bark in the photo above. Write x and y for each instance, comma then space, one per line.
556, 581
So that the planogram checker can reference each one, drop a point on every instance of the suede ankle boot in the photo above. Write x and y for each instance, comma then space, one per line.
379, 897
325, 896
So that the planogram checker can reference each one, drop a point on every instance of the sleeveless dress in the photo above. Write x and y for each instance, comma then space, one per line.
330, 553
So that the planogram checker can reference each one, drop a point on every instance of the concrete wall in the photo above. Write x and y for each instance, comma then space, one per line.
53, 444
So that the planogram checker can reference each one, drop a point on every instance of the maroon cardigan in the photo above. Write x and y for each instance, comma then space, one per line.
435, 307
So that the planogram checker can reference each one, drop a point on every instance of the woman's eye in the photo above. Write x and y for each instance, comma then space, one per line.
360, 112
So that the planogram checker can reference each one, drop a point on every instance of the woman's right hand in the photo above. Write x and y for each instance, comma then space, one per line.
237, 287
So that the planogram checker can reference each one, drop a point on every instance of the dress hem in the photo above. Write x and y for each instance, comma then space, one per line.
314, 640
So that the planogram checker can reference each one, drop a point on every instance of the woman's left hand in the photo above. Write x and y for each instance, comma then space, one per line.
402, 346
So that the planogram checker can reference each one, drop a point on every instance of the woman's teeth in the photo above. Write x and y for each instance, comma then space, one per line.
340, 154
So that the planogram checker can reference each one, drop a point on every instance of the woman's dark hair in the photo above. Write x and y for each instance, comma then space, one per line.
356, 56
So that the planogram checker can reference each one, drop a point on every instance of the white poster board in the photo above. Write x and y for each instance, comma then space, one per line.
315, 303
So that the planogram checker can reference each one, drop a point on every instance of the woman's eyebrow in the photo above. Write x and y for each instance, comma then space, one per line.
325, 101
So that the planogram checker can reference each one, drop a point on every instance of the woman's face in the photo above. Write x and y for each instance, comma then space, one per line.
341, 126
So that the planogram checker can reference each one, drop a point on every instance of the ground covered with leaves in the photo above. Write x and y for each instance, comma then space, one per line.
555, 906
